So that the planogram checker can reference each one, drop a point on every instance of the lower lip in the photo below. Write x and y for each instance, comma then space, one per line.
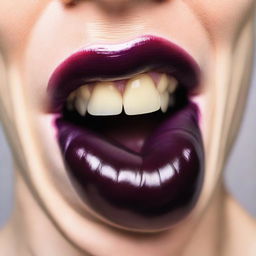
152, 190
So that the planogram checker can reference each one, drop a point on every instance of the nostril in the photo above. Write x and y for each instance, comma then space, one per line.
111, 5
116, 5
69, 2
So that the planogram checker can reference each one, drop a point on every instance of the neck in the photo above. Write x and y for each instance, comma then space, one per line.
31, 232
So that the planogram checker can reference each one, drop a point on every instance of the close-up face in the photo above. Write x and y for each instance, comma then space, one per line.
121, 114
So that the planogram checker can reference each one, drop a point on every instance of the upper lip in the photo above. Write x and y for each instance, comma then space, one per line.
111, 62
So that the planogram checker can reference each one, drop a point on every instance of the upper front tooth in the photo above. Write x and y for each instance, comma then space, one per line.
172, 85
105, 100
141, 96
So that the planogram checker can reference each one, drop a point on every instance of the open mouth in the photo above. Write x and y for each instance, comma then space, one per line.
128, 131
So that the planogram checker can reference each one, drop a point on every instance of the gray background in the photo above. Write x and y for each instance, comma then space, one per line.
240, 172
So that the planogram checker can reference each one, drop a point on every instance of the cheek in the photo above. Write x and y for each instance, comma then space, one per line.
222, 18
16, 20
3, 89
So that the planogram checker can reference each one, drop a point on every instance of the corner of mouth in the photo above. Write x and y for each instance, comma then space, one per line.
139, 167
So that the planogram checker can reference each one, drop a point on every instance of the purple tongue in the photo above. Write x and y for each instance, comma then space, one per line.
152, 190
174, 140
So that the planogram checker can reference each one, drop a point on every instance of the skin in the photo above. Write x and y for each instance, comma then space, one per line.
48, 217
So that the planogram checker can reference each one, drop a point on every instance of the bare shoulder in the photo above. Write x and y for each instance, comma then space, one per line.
240, 230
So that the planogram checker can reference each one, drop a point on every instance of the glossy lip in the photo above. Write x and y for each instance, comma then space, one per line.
112, 62
155, 189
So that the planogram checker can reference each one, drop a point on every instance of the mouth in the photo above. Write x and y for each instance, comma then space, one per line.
129, 132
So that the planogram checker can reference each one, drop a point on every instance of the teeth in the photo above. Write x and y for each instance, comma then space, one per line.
167, 83
84, 92
164, 101
105, 100
81, 101
173, 83
163, 83
166, 86
70, 101
80, 106
141, 96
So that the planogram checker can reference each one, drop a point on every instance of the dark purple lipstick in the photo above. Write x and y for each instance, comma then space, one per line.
114, 62
149, 189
